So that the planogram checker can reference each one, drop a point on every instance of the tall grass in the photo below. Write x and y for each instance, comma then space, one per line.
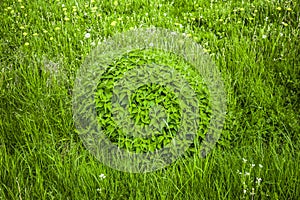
254, 44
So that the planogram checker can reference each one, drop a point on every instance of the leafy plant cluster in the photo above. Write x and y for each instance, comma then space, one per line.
145, 97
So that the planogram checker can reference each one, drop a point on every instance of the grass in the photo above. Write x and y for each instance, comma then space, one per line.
255, 44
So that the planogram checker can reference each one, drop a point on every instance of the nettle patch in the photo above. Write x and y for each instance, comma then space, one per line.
148, 96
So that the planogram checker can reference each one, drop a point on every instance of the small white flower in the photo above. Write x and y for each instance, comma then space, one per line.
260, 166
247, 174
244, 160
245, 191
252, 165
63, 5
99, 189
165, 14
87, 35
281, 34
258, 180
264, 36
102, 176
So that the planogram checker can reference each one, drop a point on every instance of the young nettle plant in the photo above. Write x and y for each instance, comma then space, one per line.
149, 96
251, 179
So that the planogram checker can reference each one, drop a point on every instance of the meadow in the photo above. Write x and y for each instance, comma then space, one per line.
254, 44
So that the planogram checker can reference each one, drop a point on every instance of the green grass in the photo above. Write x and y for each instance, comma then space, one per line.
254, 44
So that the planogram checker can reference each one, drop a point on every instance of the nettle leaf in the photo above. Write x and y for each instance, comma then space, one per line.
160, 139
128, 144
166, 142
140, 102
152, 147
137, 119
133, 105
134, 111
151, 103
145, 120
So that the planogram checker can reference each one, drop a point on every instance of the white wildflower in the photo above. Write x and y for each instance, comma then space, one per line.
102, 176
258, 180
87, 35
